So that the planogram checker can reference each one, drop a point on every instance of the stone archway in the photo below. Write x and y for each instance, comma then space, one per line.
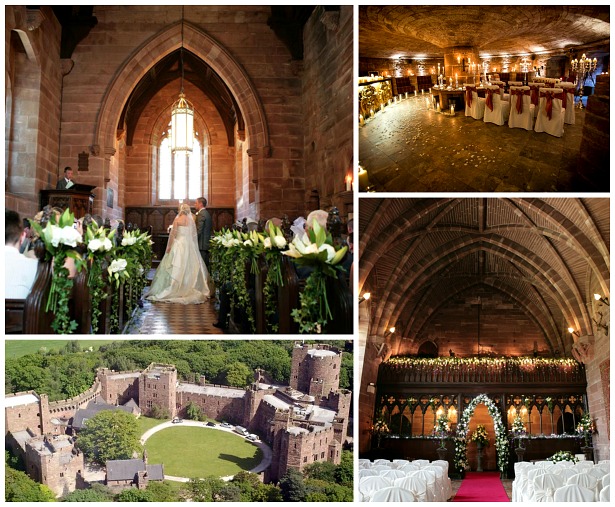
211, 52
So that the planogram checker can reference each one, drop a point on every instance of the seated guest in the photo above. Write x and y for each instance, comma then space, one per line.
21, 268
67, 182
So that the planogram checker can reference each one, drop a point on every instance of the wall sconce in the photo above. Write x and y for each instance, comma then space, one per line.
572, 331
371, 388
390, 331
365, 297
598, 297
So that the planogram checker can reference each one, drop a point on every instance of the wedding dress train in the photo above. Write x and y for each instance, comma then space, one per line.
182, 276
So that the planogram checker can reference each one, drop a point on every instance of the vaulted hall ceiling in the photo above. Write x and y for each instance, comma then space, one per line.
546, 256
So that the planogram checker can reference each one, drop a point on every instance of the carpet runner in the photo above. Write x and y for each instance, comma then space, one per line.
481, 487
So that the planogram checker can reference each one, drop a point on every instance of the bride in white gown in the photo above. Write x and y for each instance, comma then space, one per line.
182, 276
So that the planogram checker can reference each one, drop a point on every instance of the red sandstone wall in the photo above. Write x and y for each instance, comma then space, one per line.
33, 95
22, 417
214, 407
328, 105
505, 328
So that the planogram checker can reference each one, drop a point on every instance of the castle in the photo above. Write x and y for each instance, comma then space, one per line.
303, 423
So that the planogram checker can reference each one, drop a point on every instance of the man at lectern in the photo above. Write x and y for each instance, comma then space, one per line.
67, 182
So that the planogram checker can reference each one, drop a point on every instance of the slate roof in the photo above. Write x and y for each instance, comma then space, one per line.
127, 469
94, 408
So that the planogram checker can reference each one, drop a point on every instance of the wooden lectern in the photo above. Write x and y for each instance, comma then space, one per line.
79, 199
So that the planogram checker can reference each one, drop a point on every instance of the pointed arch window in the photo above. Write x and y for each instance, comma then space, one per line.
181, 175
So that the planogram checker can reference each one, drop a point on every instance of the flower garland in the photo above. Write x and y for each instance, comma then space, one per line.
496, 362
274, 244
316, 251
501, 442
60, 239
99, 246
563, 456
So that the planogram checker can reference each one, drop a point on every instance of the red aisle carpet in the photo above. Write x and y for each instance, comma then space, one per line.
481, 487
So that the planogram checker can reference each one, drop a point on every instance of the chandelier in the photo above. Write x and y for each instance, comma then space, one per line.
182, 113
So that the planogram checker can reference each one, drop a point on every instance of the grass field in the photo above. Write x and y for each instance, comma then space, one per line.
18, 348
199, 452
146, 423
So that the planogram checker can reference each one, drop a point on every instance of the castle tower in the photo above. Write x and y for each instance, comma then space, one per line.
315, 369
158, 387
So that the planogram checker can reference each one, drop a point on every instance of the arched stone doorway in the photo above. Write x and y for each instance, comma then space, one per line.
481, 416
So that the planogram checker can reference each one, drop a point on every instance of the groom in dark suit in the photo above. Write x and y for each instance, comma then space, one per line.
66, 182
203, 228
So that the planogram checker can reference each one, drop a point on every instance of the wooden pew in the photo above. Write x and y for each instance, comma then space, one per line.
14, 316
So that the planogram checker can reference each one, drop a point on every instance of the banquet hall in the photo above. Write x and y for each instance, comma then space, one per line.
483, 345
484, 98
122, 113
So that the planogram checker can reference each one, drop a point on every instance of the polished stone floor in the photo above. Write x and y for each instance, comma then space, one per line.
408, 148
170, 318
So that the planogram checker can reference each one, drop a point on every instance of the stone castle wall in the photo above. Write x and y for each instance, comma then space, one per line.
23, 417
219, 407
118, 388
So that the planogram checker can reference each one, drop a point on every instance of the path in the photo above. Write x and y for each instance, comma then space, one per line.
261, 467
481, 487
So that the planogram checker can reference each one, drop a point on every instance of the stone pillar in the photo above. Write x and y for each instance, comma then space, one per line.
593, 164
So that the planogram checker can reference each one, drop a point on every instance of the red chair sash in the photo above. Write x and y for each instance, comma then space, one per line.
534, 94
551, 85
549, 96
519, 94
489, 97
469, 96
565, 99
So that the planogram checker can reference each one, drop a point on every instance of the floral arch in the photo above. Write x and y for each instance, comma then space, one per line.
501, 440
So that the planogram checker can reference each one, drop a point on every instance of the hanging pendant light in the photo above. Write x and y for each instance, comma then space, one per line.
182, 114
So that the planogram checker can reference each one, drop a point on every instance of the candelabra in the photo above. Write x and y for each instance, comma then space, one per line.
584, 68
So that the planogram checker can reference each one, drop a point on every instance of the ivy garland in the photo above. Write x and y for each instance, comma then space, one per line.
272, 282
501, 441
239, 288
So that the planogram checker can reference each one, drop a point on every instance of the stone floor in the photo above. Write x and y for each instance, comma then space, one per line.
408, 148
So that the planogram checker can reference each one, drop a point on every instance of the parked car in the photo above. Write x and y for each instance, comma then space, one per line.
177, 420
211, 424
242, 431
226, 425
252, 437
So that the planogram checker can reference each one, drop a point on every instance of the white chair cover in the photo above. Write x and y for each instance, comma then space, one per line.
364, 463
398, 463
573, 493
381, 468
420, 462
599, 474
369, 485
566, 473
525, 119
603, 461
441, 463
520, 482
393, 474
441, 483
544, 464
569, 89
368, 472
545, 486
555, 125
393, 494
378, 462
515, 83
606, 480
430, 478
477, 109
417, 486
585, 480
605, 494
581, 466
528, 492
501, 110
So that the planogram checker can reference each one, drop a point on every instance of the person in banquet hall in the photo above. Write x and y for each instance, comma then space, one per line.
67, 182
21, 268
203, 228
182, 276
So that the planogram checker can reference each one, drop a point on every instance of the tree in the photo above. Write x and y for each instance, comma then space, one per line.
323, 491
134, 495
158, 412
320, 470
238, 374
18, 487
292, 486
87, 495
109, 435
162, 492
344, 472
193, 411
267, 493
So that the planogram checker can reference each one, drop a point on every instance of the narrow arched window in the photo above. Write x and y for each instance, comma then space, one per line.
181, 175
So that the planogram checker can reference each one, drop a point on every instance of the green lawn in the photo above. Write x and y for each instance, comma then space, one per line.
198, 452
18, 348
145, 423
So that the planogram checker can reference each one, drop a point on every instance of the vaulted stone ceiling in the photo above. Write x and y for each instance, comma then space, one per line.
548, 256
411, 31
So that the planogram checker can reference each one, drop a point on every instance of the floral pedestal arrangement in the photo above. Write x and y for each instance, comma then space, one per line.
481, 438
585, 429
520, 451
442, 453
588, 452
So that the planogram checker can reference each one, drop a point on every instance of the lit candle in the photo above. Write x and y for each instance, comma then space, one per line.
348, 183
452, 109
422, 91
363, 179
406, 94
371, 112
415, 93
361, 120
459, 59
